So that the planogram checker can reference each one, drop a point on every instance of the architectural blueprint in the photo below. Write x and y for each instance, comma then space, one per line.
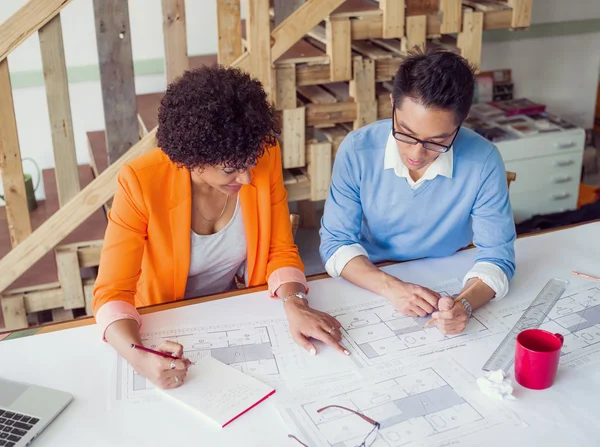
428, 404
375, 331
577, 317
262, 349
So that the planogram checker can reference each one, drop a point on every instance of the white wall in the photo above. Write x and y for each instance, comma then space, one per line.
560, 71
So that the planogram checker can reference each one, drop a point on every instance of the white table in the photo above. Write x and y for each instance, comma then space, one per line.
566, 414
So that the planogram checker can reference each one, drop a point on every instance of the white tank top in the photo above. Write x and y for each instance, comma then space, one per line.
216, 258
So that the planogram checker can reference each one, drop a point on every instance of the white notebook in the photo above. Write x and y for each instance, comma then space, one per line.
218, 391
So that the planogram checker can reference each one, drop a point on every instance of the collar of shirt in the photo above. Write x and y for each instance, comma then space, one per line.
443, 165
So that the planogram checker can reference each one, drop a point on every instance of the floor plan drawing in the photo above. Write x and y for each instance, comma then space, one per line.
262, 349
417, 406
577, 317
375, 331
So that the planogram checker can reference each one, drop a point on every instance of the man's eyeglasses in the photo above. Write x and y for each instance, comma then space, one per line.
369, 438
429, 145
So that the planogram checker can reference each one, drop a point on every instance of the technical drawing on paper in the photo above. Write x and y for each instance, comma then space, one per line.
376, 330
262, 349
577, 317
425, 404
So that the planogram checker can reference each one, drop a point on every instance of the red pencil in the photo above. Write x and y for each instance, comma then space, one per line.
152, 351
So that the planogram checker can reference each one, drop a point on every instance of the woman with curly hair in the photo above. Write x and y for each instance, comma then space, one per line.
208, 204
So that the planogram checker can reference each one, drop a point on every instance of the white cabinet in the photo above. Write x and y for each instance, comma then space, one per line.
548, 167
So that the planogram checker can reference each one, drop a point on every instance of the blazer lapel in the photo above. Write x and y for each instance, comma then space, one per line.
180, 218
248, 201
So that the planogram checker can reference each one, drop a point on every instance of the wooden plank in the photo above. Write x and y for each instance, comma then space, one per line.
11, 169
69, 276
88, 292
59, 109
362, 86
116, 76
434, 25
340, 90
498, 19
41, 300
317, 94
362, 89
393, 18
451, 16
368, 49
283, 8
469, 40
69, 217
15, 316
338, 41
229, 29
319, 170
357, 8
312, 74
421, 7
88, 252
288, 177
330, 114
386, 69
293, 147
59, 315
175, 37
258, 26
384, 107
285, 93
393, 45
416, 32
305, 18
366, 28
521, 13
302, 52
28, 19
335, 135
298, 191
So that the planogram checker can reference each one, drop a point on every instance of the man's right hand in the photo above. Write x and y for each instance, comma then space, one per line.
411, 299
162, 372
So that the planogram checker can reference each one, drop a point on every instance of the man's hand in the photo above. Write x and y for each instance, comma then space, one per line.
306, 322
411, 299
451, 318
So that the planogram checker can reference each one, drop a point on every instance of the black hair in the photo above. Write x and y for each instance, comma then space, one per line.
215, 116
436, 78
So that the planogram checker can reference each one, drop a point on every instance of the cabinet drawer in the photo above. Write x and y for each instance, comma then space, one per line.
544, 144
553, 199
538, 173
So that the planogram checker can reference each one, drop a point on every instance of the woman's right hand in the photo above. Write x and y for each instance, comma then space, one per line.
162, 372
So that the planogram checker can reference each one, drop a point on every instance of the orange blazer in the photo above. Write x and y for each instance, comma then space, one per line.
146, 254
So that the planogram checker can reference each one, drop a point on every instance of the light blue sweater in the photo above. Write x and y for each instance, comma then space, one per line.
375, 208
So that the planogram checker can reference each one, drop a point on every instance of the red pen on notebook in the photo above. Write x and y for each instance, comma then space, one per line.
152, 351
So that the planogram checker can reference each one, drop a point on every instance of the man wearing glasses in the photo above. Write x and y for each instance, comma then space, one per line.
420, 185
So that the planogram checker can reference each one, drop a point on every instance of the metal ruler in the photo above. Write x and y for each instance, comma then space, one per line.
504, 355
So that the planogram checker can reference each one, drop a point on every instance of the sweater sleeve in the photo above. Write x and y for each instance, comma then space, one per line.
493, 223
341, 223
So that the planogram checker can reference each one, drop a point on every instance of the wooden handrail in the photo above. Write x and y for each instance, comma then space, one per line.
28, 19
69, 217
292, 29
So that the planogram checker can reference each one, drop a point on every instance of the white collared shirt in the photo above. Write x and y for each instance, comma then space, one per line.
443, 165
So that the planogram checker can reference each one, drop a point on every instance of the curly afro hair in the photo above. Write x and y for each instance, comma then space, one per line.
215, 116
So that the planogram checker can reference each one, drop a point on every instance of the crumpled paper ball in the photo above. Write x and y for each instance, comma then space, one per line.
495, 385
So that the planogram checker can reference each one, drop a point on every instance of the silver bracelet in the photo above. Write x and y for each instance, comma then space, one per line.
295, 295
467, 306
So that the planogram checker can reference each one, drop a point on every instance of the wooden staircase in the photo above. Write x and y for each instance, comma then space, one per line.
327, 65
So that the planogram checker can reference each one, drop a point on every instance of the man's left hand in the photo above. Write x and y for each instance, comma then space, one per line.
451, 318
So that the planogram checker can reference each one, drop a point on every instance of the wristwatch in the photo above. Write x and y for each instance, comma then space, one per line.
467, 306
295, 295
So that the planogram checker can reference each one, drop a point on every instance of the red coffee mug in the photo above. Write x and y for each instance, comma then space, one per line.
536, 358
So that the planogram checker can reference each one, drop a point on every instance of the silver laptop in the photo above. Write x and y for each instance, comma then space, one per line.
26, 410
